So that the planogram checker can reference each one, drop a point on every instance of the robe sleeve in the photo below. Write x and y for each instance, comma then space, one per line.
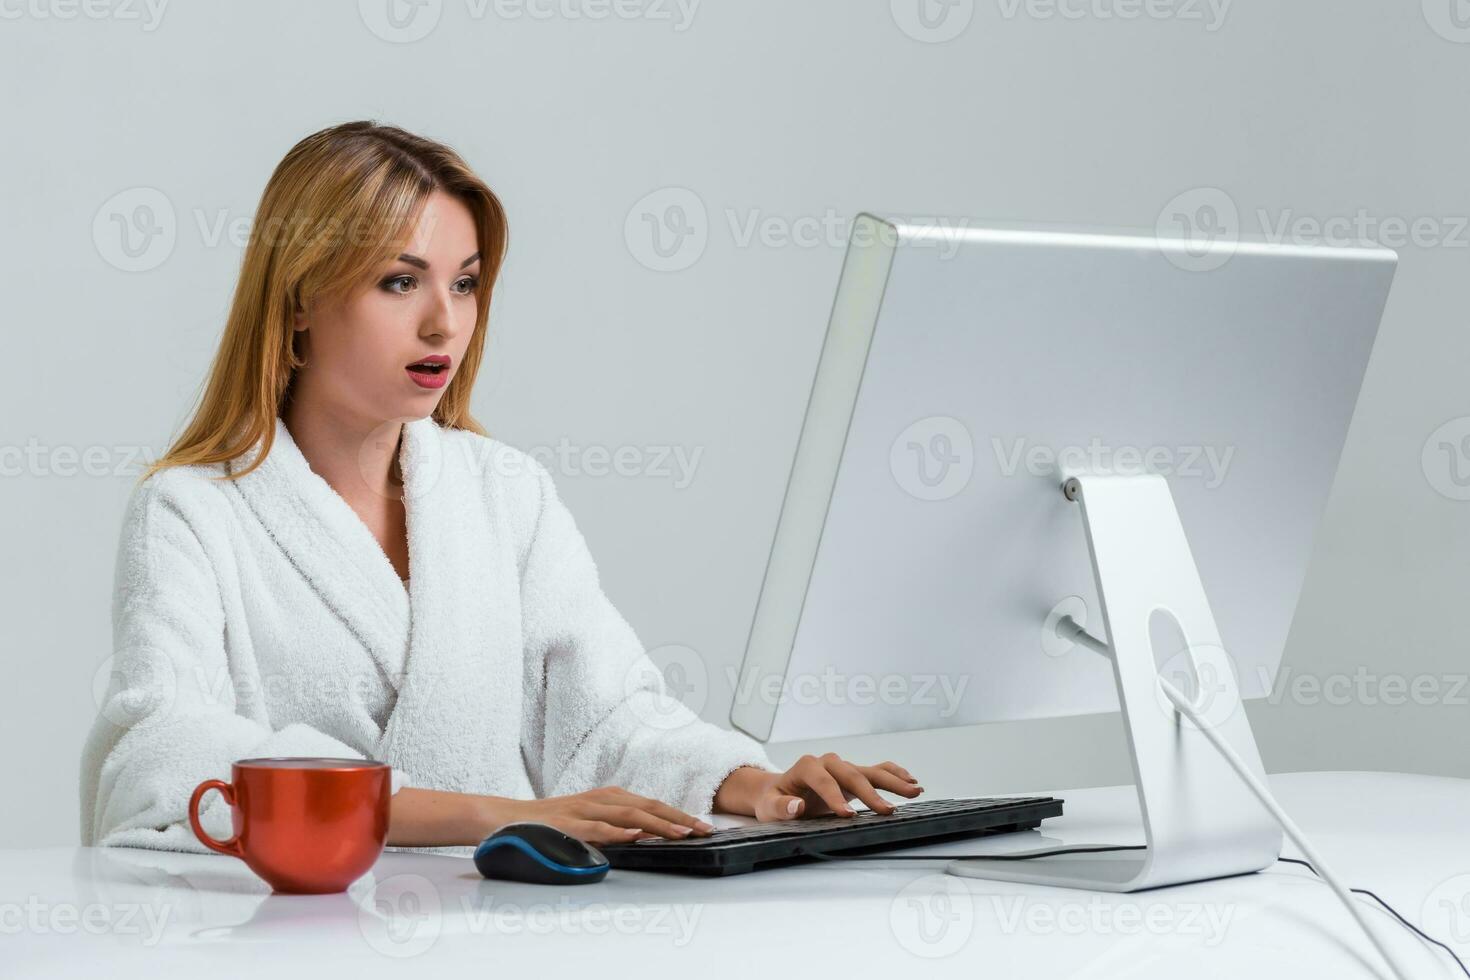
601, 713
167, 718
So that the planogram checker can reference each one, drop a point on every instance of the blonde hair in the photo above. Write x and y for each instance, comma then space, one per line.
339, 205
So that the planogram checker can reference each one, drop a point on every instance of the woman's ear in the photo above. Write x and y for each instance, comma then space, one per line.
299, 337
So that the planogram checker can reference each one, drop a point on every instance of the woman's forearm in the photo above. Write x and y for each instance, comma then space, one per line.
432, 818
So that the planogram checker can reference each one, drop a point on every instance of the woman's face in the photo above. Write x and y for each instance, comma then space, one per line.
421, 305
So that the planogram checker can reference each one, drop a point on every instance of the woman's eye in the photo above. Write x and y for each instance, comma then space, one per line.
389, 284
469, 283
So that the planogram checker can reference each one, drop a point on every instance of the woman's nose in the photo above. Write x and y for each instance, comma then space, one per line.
439, 318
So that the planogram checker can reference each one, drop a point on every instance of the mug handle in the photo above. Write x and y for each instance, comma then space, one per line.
232, 846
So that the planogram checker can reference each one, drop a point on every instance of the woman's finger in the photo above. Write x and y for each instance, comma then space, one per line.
893, 783
600, 832
854, 781
671, 813
625, 815
816, 777
897, 770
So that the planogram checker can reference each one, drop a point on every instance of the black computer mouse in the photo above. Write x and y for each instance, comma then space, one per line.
539, 853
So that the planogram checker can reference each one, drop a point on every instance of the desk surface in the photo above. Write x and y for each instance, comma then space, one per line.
133, 913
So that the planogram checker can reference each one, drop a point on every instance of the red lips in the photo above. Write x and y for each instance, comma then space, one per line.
430, 372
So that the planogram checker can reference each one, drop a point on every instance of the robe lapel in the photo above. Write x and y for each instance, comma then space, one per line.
331, 547
457, 720
454, 654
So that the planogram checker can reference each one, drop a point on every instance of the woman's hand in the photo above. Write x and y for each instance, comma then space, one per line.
814, 786
608, 815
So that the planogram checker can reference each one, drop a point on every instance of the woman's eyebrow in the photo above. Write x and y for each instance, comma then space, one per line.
415, 260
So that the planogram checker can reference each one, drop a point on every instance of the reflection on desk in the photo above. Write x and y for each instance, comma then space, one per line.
132, 913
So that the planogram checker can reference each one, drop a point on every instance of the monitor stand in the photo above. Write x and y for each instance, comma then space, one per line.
1199, 819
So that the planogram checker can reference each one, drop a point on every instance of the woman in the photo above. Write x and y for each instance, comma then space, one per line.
335, 560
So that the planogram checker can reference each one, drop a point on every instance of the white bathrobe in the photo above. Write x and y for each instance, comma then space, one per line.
260, 617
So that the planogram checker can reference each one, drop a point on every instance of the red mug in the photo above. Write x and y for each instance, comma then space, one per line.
307, 826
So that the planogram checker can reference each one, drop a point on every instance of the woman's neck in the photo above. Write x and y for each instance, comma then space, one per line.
355, 456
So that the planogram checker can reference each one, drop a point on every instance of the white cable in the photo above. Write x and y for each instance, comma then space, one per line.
1263, 794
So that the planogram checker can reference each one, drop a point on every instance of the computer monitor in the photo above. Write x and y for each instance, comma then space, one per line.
926, 552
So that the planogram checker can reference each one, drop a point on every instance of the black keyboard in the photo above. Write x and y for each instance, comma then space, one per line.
736, 850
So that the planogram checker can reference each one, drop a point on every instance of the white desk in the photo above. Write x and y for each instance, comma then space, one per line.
121, 913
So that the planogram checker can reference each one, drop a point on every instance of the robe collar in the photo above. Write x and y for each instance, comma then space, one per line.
333, 549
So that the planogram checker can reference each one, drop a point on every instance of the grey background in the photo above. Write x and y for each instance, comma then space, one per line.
796, 114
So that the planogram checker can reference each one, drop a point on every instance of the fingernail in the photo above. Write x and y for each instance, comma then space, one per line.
792, 807
682, 830
705, 826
